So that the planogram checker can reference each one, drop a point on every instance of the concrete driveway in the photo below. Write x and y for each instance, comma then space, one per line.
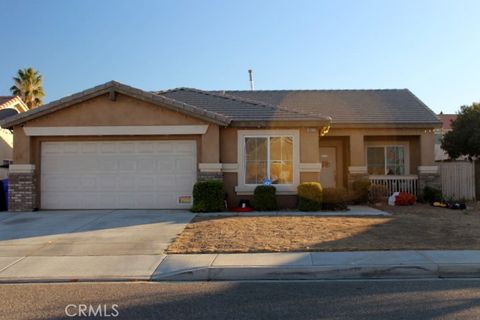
86, 245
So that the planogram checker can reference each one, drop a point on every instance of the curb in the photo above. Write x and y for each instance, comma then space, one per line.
72, 280
364, 272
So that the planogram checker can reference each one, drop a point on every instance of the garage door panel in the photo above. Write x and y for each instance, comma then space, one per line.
108, 147
126, 147
183, 186
146, 165
165, 148
146, 147
117, 174
145, 183
127, 164
106, 164
185, 147
89, 147
184, 165
87, 183
165, 164
59, 183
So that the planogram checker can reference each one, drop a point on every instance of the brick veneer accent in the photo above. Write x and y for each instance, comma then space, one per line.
22, 195
206, 176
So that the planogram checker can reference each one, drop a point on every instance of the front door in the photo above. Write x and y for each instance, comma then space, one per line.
328, 175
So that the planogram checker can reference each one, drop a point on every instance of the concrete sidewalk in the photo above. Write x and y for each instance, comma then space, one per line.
319, 265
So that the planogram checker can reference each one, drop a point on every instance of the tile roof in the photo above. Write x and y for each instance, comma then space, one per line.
398, 108
4, 99
238, 108
395, 106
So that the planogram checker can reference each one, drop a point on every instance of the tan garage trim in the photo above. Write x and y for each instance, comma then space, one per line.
116, 130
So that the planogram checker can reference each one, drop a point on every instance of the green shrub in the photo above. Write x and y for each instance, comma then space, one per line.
208, 196
378, 193
265, 199
309, 196
335, 199
431, 194
361, 188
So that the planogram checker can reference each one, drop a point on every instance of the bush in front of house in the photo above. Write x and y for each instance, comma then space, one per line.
265, 198
309, 196
361, 190
378, 193
431, 194
208, 196
335, 199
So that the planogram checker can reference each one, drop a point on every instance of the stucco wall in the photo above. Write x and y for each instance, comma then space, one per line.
124, 111
421, 143
102, 111
309, 153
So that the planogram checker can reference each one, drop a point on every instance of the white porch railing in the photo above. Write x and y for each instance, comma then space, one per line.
396, 183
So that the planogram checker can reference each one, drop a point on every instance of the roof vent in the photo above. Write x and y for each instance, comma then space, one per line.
250, 77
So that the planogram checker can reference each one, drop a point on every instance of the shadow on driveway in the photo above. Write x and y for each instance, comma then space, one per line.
95, 232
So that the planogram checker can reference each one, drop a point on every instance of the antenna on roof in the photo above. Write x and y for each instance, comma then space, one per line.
250, 76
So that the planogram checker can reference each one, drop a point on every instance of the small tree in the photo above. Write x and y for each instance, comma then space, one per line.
464, 139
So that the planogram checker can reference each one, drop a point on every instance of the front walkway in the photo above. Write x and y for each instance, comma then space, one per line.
320, 265
353, 211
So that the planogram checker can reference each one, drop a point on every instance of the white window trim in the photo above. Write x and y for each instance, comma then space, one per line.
246, 189
383, 144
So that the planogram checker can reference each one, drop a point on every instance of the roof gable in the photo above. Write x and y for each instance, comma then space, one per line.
113, 87
13, 102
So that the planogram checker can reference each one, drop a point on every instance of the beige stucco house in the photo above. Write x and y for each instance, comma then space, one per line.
114, 146
9, 105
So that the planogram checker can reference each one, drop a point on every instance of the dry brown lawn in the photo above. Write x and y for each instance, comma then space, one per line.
415, 227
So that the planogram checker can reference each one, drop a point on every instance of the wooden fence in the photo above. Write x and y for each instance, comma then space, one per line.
458, 180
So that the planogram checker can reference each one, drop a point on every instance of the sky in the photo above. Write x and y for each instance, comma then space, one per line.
430, 47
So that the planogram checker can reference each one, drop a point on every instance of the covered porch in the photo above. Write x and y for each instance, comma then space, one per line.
398, 159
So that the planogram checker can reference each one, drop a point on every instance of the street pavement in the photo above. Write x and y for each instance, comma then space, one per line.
381, 299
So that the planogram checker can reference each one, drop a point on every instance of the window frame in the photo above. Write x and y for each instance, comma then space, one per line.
406, 154
244, 188
268, 160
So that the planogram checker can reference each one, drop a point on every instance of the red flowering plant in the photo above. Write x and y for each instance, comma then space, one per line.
405, 199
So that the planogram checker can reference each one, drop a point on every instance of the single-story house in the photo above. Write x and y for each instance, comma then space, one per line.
115, 146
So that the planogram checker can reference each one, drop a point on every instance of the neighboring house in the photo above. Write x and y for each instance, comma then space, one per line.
114, 146
440, 154
9, 105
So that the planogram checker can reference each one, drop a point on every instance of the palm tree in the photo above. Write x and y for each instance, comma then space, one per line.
28, 86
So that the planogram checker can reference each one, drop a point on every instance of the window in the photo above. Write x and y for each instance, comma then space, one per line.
269, 157
386, 160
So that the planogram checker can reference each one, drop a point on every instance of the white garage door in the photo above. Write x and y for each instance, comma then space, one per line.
117, 174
